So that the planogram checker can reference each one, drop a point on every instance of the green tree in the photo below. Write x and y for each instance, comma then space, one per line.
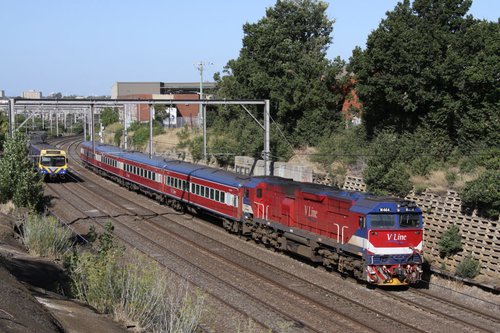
4, 127
429, 63
483, 194
18, 182
283, 59
386, 172
109, 116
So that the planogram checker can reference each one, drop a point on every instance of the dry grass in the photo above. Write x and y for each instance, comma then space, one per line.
438, 183
302, 156
7, 208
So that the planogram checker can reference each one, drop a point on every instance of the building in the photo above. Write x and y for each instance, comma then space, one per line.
185, 113
32, 94
2, 94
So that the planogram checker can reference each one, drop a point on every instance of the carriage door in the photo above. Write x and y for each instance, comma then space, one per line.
261, 209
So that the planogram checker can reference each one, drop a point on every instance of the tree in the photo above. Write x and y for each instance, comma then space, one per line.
109, 116
483, 194
18, 182
386, 173
429, 63
283, 59
4, 123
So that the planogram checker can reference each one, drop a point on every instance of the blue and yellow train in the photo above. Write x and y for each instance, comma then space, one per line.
51, 162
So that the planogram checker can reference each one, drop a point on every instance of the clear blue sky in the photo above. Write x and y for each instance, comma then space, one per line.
83, 46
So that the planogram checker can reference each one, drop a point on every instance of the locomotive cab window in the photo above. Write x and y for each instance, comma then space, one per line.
259, 193
362, 222
247, 193
382, 220
409, 221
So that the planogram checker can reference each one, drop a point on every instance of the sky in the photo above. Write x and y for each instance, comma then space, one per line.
83, 47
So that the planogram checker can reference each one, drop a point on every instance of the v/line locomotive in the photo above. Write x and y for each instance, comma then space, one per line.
375, 239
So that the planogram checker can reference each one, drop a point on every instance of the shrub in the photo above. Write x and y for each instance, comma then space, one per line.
141, 133
468, 268
118, 136
450, 242
483, 194
43, 236
135, 290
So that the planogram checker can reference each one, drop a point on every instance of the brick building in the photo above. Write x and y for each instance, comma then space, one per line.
161, 90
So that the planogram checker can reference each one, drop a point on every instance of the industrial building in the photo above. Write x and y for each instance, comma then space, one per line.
182, 113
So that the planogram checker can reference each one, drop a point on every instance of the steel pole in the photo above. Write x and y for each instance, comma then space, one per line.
204, 115
266, 151
92, 127
150, 131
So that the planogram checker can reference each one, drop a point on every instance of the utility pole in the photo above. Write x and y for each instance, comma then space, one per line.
202, 112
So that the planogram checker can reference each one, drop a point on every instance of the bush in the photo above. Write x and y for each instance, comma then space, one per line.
483, 194
450, 242
43, 236
118, 136
468, 268
134, 290
141, 133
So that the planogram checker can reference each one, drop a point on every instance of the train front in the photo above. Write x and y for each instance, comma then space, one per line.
393, 247
53, 164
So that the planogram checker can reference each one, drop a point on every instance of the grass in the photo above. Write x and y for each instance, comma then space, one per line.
135, 290
44, 237
439, 181
7, 208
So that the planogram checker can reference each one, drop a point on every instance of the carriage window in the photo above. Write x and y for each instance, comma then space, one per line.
409, 220
217, 193
212, 194
222, 196
259, 193
382, 220
202, 192
235, 201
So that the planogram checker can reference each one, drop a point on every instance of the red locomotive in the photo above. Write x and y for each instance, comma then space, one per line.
376, 239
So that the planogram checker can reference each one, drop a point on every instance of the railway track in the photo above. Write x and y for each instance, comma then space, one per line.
453, 313
322, 312
342, 312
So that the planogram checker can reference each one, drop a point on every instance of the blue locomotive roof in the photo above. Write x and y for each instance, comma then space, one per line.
373, 204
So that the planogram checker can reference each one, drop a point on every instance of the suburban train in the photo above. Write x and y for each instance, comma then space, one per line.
375, 239
51, 162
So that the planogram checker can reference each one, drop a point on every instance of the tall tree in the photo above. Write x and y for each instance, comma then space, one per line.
18, 181
428, 62
109, 116
283, 59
